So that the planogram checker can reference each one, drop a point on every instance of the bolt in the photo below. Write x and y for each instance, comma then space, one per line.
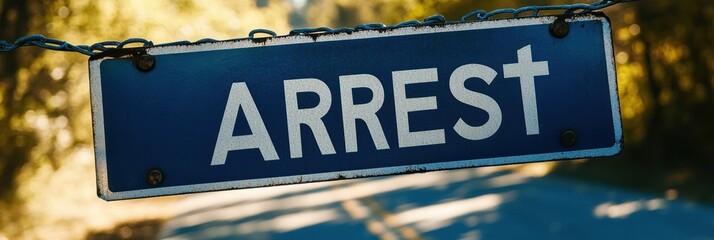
559, 28
568, 138
145, 62
154, 177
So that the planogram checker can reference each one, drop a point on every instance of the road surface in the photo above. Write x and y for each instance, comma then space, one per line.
481, 203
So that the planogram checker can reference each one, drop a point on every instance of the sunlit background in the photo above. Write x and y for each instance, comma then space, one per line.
665, 68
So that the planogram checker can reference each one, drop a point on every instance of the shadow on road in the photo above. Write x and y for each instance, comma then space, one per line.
482, 203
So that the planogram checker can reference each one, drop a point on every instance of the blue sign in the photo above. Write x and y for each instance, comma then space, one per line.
295, 109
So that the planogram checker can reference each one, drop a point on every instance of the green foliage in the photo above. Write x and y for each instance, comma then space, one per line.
45, 121
665, 48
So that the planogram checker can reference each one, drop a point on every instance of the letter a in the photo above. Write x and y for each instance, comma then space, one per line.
240, 97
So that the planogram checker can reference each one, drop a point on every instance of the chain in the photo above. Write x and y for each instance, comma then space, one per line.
477, 15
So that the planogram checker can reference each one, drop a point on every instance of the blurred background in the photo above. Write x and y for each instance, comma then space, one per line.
665, 69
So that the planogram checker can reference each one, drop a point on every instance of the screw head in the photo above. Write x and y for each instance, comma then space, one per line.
568, 138
559, 28
145, 62
154, 177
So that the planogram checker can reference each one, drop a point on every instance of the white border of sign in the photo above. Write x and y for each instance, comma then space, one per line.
98, 112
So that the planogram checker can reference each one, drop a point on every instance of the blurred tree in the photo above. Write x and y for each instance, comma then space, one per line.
676, 53
45, 120
18, 94
345, 13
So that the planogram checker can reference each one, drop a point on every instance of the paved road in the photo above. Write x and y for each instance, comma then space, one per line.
483, 203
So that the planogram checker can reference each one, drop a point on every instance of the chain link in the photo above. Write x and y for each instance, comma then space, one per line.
477, 15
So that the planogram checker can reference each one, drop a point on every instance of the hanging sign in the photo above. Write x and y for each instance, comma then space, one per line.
295, 109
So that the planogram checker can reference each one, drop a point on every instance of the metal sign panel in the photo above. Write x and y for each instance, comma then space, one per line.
295, 109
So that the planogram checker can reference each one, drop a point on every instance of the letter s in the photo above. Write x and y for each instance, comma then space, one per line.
475, 99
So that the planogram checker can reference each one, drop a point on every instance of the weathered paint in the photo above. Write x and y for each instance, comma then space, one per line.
99, 120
